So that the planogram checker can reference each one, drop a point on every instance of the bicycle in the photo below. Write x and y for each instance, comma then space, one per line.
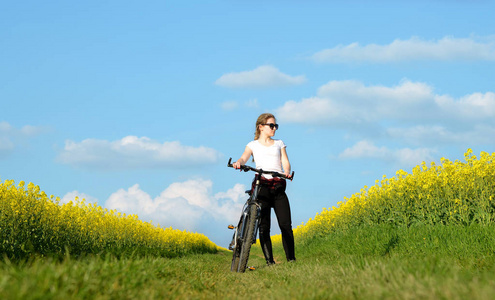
246, 230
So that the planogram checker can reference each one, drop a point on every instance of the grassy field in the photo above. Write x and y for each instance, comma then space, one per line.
371, 262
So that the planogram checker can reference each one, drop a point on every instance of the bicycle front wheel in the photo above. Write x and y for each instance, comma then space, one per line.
247, 239
235, 256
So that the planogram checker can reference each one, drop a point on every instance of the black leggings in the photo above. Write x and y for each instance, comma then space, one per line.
276, 198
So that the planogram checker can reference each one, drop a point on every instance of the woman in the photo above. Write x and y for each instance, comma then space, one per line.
270, 155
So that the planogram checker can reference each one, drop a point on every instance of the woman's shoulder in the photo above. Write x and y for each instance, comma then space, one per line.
252, 144
280, 143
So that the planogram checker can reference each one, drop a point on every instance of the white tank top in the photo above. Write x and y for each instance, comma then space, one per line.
268, 158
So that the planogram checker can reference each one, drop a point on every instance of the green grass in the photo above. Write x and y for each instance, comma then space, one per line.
378, 262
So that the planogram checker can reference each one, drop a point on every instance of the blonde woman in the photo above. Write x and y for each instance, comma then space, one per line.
270, 154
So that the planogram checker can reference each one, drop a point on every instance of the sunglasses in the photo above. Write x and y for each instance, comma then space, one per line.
271, 125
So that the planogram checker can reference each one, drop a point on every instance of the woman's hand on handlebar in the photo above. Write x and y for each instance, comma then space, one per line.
236, 165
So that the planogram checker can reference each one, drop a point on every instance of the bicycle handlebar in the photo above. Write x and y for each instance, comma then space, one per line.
246, 168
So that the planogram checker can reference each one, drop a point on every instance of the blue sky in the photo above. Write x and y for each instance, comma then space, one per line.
138, 106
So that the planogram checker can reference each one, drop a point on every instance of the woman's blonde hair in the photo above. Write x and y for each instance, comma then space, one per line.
262, 120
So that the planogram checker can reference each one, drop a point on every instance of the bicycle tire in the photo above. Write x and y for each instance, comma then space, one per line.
247, 239
235, 257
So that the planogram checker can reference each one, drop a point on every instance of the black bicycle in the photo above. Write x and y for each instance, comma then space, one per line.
245, 232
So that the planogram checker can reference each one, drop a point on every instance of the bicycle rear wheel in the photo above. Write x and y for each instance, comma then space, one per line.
247, 241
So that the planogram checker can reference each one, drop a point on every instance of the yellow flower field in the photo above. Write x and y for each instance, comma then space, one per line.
33, 223
450, 193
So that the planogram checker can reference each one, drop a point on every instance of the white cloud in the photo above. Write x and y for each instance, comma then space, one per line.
229, 105
234, 105
445, 49
253, 103
6, 145
71, 196
470, 107
409, 112
405, 157
351, 102
188, 205
405, 92
11, 137
364, 149
25, 131
310, 110
133, 152
262, 77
